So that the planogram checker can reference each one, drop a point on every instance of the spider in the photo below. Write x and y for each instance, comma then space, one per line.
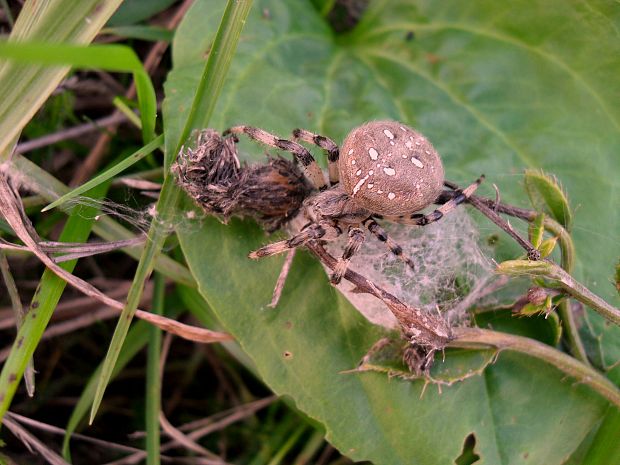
385, 171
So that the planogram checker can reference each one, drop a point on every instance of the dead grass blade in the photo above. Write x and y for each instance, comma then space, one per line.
73, 251
32, 443
18, 314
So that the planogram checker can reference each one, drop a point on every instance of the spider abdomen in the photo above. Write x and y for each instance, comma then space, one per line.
390, 169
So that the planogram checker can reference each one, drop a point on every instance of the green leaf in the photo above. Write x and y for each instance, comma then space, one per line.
496, 87
536, 230
547, 195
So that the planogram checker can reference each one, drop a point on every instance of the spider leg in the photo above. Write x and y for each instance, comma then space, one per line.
459, 197
323, 230
302, 155
356, 239
326, 144
383, 236
490, 208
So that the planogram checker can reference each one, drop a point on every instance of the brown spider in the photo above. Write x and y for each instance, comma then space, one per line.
387, 171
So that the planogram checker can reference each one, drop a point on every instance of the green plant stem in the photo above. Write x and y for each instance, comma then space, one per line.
566, 315
484, 338
567, 248
563, 280
286, 447
153, 377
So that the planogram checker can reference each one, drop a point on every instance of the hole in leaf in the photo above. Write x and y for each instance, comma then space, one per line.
468, 456
345, 14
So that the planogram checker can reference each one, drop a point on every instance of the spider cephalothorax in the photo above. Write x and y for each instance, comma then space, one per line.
386, 171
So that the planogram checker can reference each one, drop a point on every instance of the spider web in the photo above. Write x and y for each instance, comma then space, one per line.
450, 269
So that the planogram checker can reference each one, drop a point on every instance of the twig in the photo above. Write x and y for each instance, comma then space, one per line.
532, 252
71, 133
232, 416
60, 431
73, 251
32, 443
75, 307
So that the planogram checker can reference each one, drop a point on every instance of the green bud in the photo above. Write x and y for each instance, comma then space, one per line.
536, 230
547, 196
547, 247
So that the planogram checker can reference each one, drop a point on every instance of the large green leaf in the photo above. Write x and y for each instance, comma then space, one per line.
497, 87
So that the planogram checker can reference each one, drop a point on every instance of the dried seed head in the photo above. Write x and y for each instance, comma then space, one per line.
210, 172
402, 166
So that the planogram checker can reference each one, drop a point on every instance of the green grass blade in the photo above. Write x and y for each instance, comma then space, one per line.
153, 378
109, 173
44, 301
117, 58
136, 340
25, 87
209, 88
605, 447
122, 105
212, 78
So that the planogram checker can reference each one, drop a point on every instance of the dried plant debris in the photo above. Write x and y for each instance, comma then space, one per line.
209, 170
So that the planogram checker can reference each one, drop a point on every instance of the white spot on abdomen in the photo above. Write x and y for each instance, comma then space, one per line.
388, 134
353, 162
358, 172
391, 196
350, 151
409, 145
373, 153
389, 171
417, 162
359, 185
